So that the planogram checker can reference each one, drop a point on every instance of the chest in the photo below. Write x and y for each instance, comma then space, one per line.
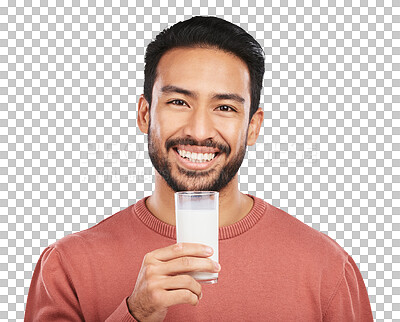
256, 286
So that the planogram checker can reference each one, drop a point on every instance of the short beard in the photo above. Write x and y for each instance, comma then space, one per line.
164, 168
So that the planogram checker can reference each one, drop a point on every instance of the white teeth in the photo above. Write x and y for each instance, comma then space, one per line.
196, 157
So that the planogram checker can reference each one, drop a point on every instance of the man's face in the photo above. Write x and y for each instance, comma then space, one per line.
199, 118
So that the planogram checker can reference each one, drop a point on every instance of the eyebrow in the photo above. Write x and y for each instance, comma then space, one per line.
232, 97
175, 89
227, 96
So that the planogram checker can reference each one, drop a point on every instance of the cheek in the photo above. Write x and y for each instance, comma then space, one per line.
234, 134
170, 124
157, 122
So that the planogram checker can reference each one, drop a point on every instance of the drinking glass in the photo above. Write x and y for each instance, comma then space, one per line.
197, 222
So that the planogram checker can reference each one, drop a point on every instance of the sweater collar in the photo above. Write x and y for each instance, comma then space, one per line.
225, 232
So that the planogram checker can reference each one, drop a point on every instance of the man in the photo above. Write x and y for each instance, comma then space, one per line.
203, 79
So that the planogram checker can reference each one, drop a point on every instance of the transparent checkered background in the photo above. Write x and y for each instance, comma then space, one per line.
328, 154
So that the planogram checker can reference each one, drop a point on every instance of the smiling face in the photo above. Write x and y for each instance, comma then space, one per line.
198, 124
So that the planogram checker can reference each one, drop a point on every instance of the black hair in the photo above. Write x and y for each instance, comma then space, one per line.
204, 31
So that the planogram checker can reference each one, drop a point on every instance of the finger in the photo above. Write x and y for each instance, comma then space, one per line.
182, 282
187, 264
181, 296
180, 250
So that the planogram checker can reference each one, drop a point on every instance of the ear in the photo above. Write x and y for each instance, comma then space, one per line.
143, 114
254, 126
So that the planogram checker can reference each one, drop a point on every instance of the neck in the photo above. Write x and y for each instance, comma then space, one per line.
233, 205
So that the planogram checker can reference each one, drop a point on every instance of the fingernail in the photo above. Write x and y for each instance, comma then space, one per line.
209, 250
201, 295
217, 266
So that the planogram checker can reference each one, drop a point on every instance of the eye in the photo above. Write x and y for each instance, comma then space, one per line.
177, 102
226, 108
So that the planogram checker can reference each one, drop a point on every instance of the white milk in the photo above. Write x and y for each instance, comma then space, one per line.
199, 226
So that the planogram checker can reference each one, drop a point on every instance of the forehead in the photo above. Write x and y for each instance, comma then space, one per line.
203, 70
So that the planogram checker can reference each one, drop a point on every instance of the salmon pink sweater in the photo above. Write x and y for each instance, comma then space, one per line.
273, 268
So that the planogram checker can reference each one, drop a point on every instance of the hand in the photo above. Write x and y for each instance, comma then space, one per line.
162, 281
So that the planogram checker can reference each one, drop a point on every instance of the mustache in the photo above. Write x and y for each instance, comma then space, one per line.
189, 141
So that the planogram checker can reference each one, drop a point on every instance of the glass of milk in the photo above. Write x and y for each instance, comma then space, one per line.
197, 222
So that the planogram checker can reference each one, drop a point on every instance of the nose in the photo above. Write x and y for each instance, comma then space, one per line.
200, 124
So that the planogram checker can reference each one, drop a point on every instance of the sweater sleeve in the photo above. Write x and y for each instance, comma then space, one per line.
52, 296
121, 314
350, 300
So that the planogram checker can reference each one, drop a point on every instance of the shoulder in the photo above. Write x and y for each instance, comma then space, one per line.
106, 232
306, 252
301, 233
302, 245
